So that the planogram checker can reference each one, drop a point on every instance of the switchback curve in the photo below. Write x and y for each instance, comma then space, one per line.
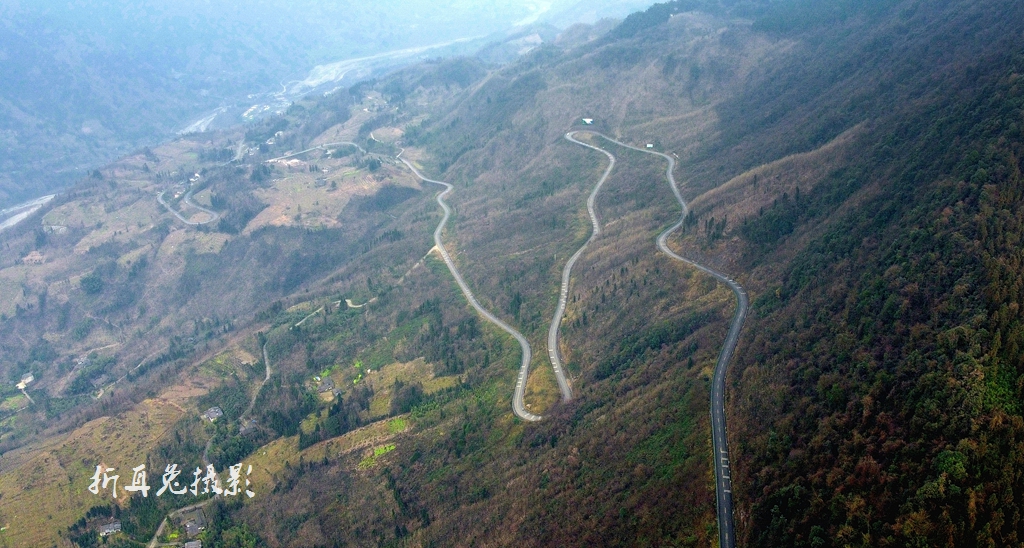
563, 295
720, 446
518, 407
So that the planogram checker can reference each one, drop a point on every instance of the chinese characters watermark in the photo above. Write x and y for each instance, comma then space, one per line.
204, 482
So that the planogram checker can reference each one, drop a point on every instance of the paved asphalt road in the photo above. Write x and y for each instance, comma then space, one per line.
720, 447
563, 295
213, 214
318, 147
188, 201
154, 542
517, 398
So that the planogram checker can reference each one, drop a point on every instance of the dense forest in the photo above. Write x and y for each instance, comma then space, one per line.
891, 344
877, 387
856, 166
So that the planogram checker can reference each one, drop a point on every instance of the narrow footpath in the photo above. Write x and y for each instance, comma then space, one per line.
154, 542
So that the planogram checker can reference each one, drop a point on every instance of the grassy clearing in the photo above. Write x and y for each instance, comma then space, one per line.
209, 242
371, 460
301, 307
308, 424
417, 371
132, 256
203, 198
438, 384
223, 366
541, 387
397, 425
14, 402
269, 461
73, 213
316, 199
120, 225
48, 490
10, 288
380, 405
172, 533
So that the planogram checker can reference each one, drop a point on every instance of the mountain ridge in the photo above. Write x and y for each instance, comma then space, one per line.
857, 170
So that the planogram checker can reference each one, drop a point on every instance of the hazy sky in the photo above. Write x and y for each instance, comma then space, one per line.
101, 76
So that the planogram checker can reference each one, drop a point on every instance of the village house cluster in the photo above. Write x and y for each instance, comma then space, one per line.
204, 482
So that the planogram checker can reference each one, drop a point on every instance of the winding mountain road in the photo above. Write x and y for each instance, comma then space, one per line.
188, 201
214, 216
154, 542
518, 407
318, 147
720, 446
556, 322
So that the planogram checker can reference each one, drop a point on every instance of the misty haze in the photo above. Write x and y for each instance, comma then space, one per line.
513, 273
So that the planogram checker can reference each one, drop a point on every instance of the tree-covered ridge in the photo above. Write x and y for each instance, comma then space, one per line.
876, 394
893, 345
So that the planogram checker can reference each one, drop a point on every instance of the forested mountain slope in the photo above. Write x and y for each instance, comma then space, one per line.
878, 400
876, 390
88, 81
854, 165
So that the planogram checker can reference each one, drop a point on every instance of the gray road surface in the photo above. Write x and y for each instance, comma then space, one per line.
556, 322
720, 446
318, 147
518, 407
188, 201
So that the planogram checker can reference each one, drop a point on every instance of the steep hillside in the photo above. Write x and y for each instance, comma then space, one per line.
879, 394
854, 165
871, 159
86, 82
642, 332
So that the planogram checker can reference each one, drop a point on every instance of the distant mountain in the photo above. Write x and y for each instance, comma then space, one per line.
855, 164
591, 11
86, 81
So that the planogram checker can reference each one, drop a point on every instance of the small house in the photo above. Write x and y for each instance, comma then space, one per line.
327, 385
195, 523
25, 381
213, 413
650, 145
248, 427
110, 528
